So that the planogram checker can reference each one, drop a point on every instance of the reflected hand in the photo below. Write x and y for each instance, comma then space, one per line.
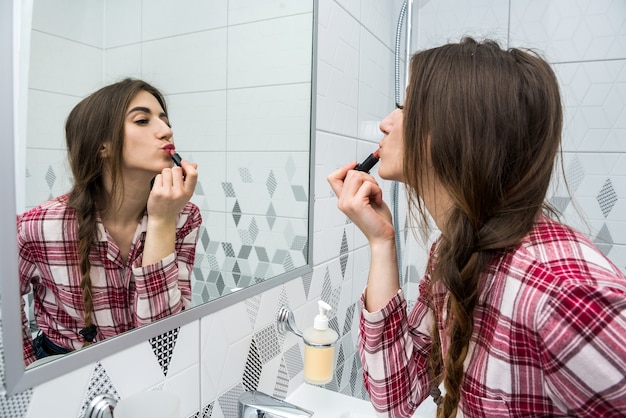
171, 190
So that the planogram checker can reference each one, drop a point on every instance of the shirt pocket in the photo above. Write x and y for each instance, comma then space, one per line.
480, 407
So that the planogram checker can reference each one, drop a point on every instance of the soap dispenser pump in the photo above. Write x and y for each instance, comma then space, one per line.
319, 348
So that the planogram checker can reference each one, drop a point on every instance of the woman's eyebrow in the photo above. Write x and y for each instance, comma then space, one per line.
144, 110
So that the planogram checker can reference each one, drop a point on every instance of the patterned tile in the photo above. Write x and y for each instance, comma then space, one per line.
293, 361
99, 384
252, 371
163, 347
607, 198
229, 401
282, 381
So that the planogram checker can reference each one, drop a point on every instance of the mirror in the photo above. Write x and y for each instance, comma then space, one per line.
237, 76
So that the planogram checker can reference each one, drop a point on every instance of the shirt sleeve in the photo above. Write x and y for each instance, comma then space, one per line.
394, 350
582, 329
26, 269
164, 288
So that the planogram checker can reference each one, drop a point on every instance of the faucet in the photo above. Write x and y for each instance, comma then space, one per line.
255, 404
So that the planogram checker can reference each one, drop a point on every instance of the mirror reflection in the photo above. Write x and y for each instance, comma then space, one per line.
115, 252
236, 104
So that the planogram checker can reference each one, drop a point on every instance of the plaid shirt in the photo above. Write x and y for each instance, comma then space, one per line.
125, 295
549, 336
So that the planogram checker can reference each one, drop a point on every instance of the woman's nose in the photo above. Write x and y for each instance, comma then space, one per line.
386, 124
165, 131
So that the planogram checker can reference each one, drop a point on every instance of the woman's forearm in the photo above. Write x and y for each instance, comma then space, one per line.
383, 282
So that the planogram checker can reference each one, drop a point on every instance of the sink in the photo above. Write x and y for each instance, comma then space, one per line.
357, 415
329, 404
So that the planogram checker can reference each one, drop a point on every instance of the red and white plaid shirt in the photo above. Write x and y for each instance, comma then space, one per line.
549, 336
125, 295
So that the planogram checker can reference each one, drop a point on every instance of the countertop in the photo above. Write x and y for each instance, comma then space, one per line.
329, 404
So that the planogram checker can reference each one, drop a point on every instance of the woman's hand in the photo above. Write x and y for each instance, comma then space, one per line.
361, 199
170, 192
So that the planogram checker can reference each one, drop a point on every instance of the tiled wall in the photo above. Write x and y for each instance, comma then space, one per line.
208, 363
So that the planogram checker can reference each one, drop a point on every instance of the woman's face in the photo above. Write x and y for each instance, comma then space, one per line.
391, 147
147, 135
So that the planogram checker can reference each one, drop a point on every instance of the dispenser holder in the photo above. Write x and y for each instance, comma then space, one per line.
285, 321
101, 406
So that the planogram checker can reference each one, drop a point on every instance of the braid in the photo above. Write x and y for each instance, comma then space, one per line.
458, 270
85, 215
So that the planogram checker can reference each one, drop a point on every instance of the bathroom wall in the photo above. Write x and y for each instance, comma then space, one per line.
208, 363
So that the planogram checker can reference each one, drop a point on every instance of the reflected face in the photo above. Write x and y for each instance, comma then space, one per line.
147, 135
392, 147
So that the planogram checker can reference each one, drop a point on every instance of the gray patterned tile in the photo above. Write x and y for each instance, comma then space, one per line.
607, 198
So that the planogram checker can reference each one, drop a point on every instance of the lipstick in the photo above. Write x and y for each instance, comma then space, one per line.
368, 163
176, 158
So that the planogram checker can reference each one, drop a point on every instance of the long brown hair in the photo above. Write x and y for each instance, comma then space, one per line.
94, 121
487, 122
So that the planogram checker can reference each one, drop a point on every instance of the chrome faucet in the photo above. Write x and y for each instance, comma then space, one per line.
257, 404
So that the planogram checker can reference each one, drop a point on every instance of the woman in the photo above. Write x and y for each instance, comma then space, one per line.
117, 251
518, 315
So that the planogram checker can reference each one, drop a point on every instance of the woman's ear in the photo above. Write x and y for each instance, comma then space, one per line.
105, 150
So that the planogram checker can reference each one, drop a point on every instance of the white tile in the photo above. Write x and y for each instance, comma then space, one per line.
295, 292
138, 357
361, 262
234, 364
186, 352
242, 11
64, 66
47, 113
214, 353
184, 385
618, 256
70, 388
571, 31
618, 228
186, 63
122, 62
338, 65
79, 21
273, 118
199, 120
279, 49
353, 7
48, 175
331, 152
163, 18
234, 320
122, 22
269, 373
444, 21
209, 194
376, 93
377, 16
268, 308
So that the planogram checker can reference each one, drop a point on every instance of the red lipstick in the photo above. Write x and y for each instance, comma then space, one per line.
369, 162
175, 157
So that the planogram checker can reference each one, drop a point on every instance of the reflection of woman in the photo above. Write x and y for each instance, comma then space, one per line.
518, 315
115, 252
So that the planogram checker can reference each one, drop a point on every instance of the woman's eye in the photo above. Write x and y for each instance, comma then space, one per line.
142, 121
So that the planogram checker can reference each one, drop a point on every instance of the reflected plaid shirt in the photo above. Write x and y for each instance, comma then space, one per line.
125, 295
549, 336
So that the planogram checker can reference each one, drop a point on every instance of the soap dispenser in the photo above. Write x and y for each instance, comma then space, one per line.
319, 348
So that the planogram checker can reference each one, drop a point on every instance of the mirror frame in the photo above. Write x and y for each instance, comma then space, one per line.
18, 379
